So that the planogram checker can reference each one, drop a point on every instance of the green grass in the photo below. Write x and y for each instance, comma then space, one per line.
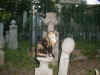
19, 58
55, 68
81, 44
88, 48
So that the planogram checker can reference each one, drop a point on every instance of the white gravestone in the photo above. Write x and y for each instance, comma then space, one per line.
24, 18
13, 40
44, 69
67, 48
1, 34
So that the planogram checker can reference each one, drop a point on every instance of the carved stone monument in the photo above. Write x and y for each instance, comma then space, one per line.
51, 22
44, 69
13, 40
67, 48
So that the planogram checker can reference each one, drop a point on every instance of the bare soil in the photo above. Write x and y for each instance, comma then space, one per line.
82, 67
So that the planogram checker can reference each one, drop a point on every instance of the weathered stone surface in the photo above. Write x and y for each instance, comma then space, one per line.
13, 39
67, 48
24, 18
43, 69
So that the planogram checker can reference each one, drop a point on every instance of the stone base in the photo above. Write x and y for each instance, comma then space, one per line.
44, 69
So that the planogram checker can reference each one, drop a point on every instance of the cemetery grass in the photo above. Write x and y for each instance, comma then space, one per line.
19, 58
88, 48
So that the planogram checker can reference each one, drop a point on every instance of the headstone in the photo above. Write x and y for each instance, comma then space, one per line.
44, 69
24, 18
1, 34
67, 48
13, 40
24, 22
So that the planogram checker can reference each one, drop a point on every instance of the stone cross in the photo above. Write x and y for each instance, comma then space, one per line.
1, 33
67, 48
13, 39
44, 69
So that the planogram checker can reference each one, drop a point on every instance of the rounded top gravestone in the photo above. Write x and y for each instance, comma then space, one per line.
68, 45
13, 22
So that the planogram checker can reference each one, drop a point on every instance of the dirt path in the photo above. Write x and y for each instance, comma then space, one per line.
82, 67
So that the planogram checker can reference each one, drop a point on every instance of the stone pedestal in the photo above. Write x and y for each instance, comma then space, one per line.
44, 69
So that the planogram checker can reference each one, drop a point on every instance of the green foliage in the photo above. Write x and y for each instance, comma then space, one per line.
5, 16
91, 72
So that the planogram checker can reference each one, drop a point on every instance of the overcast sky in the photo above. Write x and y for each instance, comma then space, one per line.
92, 2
